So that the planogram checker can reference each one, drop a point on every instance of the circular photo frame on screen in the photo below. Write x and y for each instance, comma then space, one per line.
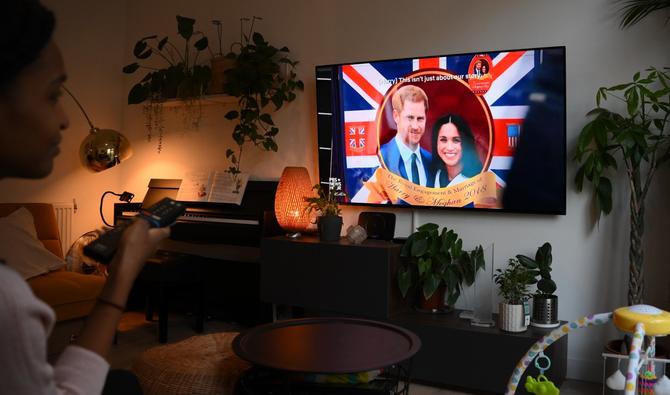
446, 94
480, 75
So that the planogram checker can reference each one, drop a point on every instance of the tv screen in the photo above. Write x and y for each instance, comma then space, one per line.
475, 131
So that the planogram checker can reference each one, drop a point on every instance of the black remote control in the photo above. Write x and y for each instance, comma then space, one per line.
163, 213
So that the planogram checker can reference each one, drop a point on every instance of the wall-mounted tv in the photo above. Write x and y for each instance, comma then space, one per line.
475, 131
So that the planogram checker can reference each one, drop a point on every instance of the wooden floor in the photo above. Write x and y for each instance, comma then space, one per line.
137, 335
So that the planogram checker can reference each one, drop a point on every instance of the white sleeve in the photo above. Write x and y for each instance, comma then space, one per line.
25, 323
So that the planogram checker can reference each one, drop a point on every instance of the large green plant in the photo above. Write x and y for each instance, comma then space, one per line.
540, 267
262, 76
633, 11
636, 139
434, 258
181, 77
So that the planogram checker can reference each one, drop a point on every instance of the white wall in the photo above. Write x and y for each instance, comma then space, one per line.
590, 261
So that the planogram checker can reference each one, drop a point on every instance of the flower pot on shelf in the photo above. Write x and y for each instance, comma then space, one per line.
220, 64
436, 301
545, 311
330, 227
511, 317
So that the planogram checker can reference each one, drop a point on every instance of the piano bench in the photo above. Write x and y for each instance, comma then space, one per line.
164, 272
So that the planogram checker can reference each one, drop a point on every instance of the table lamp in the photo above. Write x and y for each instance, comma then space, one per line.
102, 148
294, 186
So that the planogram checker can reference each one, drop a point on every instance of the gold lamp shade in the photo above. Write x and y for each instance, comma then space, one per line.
294, 186
104, 148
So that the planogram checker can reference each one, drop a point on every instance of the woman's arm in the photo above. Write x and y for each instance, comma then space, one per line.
138, 243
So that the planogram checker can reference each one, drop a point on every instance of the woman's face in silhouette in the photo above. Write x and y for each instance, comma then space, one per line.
449, 145
32, 118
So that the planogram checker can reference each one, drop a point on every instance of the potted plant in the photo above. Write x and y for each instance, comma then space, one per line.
325, 203
261, 76
181, 77
436, 263
513, 283
545, 303
638, 141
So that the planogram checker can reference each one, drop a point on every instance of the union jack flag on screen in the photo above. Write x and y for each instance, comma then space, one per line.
504, 85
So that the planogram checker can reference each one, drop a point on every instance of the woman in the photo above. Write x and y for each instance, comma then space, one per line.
31, 121
455, 157
485, 72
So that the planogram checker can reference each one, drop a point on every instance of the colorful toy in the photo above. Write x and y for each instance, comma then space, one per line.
639, 320
542, 385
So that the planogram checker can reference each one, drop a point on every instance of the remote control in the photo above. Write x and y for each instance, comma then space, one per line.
163, 213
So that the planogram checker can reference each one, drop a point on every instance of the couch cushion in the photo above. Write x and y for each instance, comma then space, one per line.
70, 294
21, 249
46, 224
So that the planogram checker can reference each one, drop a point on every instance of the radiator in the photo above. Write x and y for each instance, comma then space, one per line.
64, 217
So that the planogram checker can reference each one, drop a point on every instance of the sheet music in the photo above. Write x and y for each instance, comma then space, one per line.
212, 186
195, 186
224, 188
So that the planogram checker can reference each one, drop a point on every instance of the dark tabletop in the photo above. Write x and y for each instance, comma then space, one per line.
326, 345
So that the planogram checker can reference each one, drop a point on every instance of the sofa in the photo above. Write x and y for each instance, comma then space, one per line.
71, 295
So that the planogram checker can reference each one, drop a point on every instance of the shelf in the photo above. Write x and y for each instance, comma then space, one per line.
205, 100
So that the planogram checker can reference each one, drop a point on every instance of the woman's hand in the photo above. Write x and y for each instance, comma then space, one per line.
138, 243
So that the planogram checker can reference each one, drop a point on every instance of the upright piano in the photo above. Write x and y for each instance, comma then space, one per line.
223, 241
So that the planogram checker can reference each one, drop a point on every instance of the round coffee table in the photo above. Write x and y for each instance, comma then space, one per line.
327, 346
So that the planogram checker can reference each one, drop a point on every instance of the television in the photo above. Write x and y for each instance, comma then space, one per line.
469, 131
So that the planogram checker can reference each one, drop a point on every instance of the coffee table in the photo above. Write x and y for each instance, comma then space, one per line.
330, 345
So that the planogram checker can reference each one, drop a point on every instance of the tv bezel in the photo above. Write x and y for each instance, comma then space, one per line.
560, 211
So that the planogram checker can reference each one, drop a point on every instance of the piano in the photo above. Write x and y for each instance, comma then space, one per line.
221, 223
218, 246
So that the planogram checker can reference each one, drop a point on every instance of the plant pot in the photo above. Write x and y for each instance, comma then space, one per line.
511, 317
189, 89
330, 227
219, 66
545, 311
435, 302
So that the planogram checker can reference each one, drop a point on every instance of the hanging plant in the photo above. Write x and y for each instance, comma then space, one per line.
262, 77
181, 78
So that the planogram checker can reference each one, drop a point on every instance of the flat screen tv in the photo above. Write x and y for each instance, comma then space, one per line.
473, 131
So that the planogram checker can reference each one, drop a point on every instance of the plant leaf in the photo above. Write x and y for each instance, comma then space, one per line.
419, 247
430, 285
604, 193
162, 43
138, 93
527, 261
131, 68
140, 47
266, 118
201, 44
185, 26
404, 280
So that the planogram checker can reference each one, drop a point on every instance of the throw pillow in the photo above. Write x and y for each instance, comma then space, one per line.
20, 248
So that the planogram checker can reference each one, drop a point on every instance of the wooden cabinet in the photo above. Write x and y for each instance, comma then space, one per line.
335, 277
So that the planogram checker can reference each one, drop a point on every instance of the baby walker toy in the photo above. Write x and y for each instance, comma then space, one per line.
638, 320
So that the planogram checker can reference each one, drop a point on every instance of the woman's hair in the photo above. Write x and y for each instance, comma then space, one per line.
23, 35
470, 158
